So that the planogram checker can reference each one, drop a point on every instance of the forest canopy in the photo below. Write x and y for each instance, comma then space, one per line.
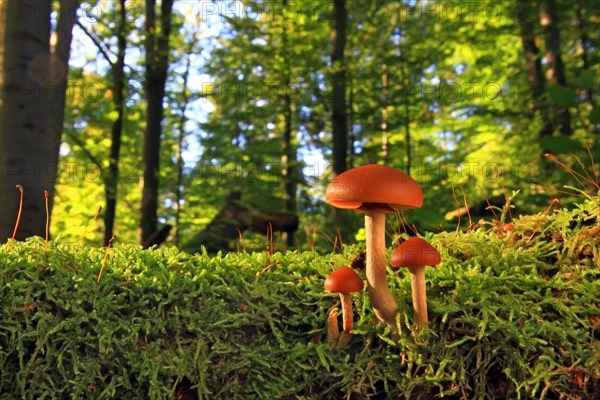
171, 115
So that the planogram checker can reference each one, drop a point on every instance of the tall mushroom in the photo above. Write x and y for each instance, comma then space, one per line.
376, 190
416, 253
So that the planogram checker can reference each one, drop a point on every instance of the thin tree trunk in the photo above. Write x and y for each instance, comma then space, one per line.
583, 37
351, 135
34, 85
289, 159
112, 180
407, 149
555, 71
289, 156
339, 122
180, 140
402, 63
384, 116
338, 106
583, 42
3, 4
533, 65
157, 62
59, 71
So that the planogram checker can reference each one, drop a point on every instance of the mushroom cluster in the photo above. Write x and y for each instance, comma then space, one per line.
375, 190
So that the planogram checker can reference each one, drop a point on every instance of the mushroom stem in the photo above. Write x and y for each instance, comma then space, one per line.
419, 295
343, 340
347, 318
333, 332
383, 303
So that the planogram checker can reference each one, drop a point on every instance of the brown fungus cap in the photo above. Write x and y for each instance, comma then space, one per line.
344, 280
374, 187
415, 252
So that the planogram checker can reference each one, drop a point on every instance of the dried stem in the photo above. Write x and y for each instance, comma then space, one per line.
105, 260
593, 166
552, 203
573, 173
457, 208
88, 224
470, 228
46, 201
20, 211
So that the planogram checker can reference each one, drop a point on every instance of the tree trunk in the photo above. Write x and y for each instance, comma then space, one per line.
384, 117
112, 180
3, 4
584, 43
407, 135
533, 65
352, 137
555, 71
289, 158
34, 85
157, 62
583, 37
339, 123
180, 140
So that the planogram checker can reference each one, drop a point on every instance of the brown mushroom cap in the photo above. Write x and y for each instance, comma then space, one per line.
374, 187
344, 280
415, 252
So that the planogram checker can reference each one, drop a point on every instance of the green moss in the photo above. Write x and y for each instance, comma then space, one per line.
509, 319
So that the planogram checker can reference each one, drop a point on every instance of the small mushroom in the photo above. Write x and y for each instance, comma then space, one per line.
414, 254
345, 281
376, 190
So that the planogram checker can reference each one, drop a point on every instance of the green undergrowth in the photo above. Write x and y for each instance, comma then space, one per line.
509, 318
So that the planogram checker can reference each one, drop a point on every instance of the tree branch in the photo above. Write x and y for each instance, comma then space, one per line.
97, 42
85, 150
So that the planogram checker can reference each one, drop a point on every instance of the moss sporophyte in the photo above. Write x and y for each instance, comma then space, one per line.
19, 212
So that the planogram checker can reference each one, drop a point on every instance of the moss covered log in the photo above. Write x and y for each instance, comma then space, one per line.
509, 318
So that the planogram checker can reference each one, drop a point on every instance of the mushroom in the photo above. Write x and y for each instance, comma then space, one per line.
376, 190
345, 281
415, 253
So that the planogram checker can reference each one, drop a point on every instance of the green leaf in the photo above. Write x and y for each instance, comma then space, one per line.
586, 80
112, 116
559, 144
561, 95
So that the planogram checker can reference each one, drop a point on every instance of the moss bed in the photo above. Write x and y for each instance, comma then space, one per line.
509, 318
